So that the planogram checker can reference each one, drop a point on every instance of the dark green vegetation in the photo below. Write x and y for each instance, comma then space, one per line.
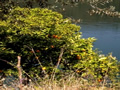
99, 7
50, 44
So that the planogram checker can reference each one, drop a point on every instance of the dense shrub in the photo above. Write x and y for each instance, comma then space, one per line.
43, 39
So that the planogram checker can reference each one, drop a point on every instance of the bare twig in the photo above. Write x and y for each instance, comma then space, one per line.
39, 61
60, 57
36, 57
8, 62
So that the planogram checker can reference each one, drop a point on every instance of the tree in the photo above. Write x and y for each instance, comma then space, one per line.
48, 43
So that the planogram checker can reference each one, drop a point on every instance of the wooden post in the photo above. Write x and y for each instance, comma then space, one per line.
19, 71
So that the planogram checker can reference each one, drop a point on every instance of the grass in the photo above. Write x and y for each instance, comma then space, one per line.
66, 81
69, 82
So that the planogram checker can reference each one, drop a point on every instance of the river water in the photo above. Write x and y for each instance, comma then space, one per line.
107, 35
105, 29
